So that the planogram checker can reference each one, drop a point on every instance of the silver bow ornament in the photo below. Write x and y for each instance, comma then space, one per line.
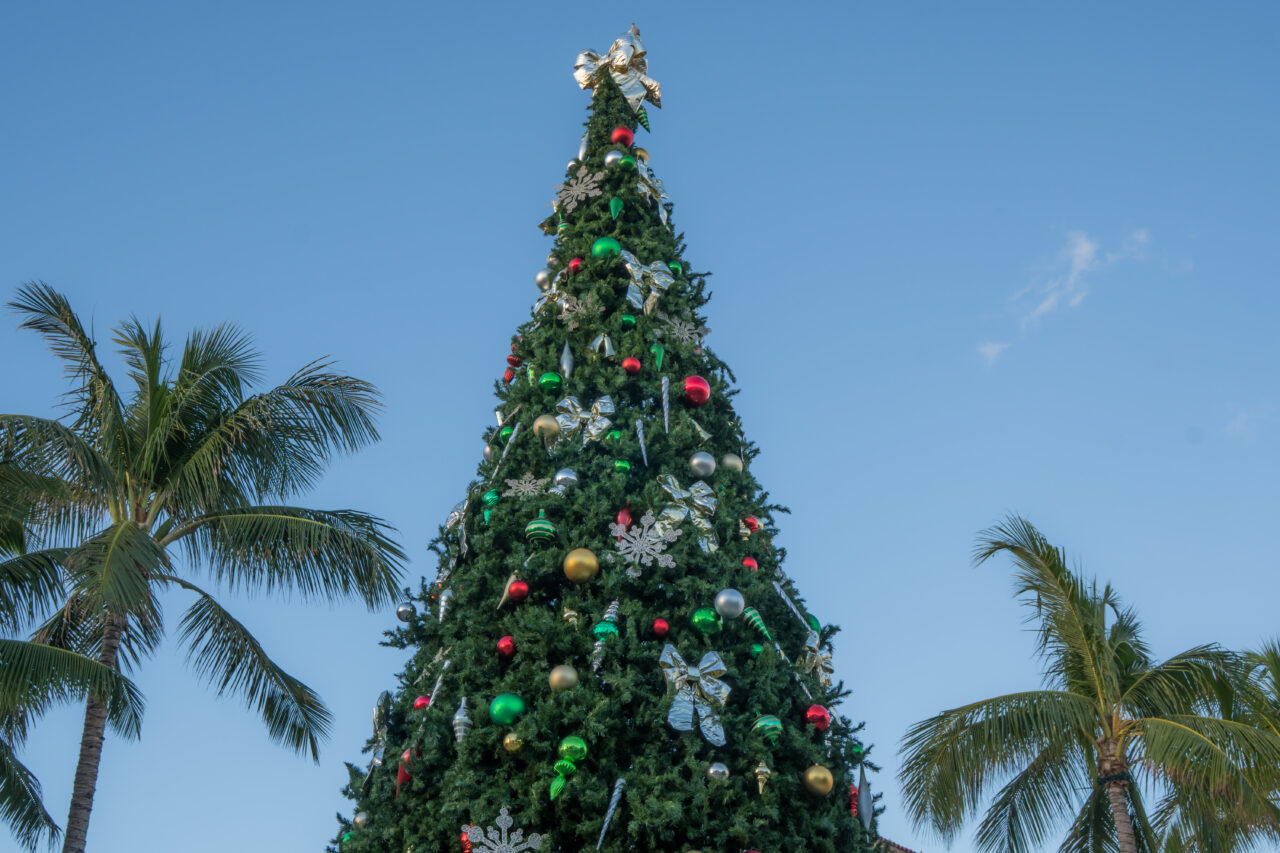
651, 188
699, 691
655, 277
625, 62
816, 662
594, 421
696, 503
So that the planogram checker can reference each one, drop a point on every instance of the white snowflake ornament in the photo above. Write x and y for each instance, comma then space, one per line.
643, 543
499, 840
525, 487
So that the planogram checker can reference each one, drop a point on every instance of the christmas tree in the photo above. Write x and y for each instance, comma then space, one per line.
611, 656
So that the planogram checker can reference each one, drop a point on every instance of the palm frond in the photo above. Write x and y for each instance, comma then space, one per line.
148, 411
21, 806
322, 555
94, 400
1234, 761
1181, 683
950, 761
1070, 616
274, 444
225, 654
35, 677
113, 567
53, 456
1032, 804
30, 585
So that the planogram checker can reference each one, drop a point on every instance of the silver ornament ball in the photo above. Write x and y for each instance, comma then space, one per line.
566, 477
718, 771
612, 158
361, 820
732, 461
702, 463
488, 453
730, 603
551, 261
543, 279
405, 611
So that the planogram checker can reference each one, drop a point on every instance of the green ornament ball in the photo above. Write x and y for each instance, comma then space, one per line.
614, 435
756, 650
627, 162
506, 708
628, 321
676, 267
505, 433
707, 620
492, 497
768, 727
573, 748
601, 630
813, 622
605, 247
540, 531
550, 381
622, 466
347, 836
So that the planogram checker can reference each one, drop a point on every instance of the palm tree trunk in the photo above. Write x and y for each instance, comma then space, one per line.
95, 724
1120, 815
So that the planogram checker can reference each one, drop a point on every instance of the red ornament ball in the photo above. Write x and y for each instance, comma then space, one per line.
406, 756
575, 264
508, 375
660, 627
507, 646
518, 591
513, 360
750, 563
622, 136
751, 523
631, 365
819, 717
624, 516
697, 390
421, 702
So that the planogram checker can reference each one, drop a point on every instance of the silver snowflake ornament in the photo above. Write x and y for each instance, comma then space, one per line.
582, 186
525, 487
680, 329
643, 543
573, 310
500, 840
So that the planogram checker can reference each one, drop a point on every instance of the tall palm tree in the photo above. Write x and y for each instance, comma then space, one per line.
1109, 725
186, 477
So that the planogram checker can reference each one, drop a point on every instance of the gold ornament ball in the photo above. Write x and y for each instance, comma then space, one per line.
818, 780
511, 742
546, 427
563, 677
580, 565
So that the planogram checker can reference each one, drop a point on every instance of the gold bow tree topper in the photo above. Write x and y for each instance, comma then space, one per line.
699, 691
625, 62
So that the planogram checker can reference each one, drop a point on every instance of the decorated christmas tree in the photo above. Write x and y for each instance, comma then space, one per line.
611, 656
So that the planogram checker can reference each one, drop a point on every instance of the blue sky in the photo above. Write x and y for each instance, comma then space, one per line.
968, 260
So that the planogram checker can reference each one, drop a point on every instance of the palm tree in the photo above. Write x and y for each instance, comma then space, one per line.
187, 476
1109, 725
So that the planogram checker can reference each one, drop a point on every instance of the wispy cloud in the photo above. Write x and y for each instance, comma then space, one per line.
1247, 421
1066, 282
991, 350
